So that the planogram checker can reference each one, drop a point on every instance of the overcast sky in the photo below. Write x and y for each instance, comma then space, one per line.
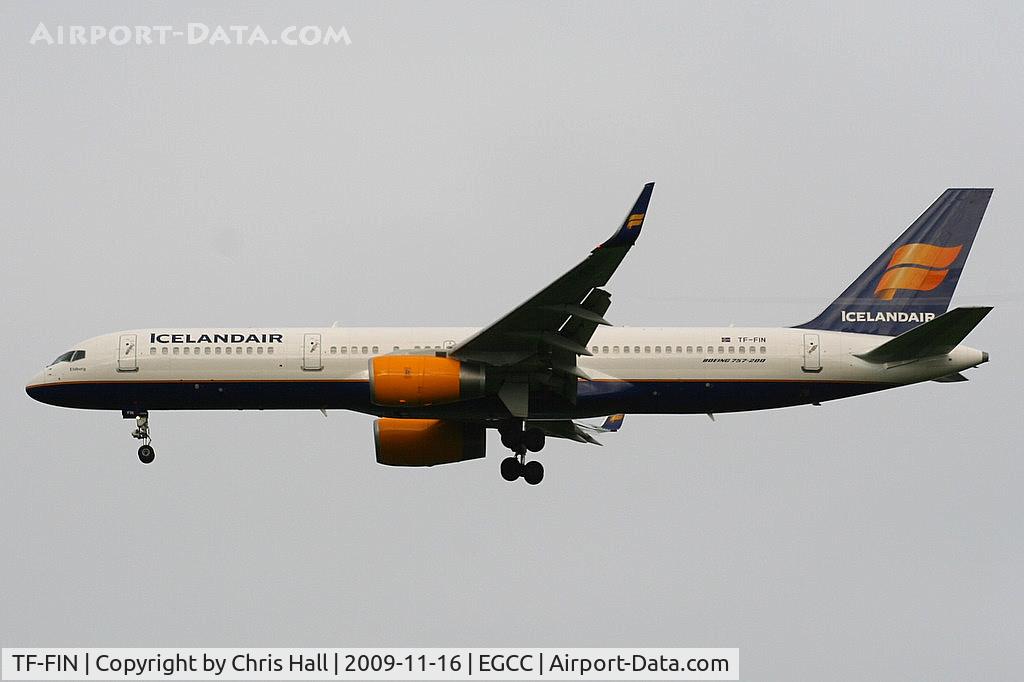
449, 162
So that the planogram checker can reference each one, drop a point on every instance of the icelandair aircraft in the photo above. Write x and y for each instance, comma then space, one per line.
553, 360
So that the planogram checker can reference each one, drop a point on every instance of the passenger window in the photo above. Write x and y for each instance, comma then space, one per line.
615, 349
185, 350
248, 350
763, 349
259, 350
163, 351
742, 350
195, 350
270, 351
355, 349
689, 349
625, 349
227, 351
376, 349
732, 349
647, 349
753, 350
238, 350
207, 350
177, 351
364, 350
711, 349
344, 350
334, 350
668, 349
415, 347
637, 349
395, 348
593, 349
152, 350
218, 350
700, 349
679, 349
604, 349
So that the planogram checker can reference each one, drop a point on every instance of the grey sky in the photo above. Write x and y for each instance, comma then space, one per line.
444, 166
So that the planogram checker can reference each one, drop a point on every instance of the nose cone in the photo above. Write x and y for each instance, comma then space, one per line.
984, 356
34, 389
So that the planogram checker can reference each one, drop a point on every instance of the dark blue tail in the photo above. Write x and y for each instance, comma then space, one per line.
914, 279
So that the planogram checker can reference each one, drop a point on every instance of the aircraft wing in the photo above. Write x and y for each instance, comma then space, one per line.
581, 433
547, 333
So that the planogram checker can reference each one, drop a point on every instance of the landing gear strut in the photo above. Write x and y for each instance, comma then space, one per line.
519, 441
146, 452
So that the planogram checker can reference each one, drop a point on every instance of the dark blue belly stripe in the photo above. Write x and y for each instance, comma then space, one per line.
596, 398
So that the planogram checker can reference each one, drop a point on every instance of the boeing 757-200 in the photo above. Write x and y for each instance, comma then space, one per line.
553, 360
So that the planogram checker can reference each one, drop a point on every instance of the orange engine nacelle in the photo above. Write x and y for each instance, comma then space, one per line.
415, 380
426, 442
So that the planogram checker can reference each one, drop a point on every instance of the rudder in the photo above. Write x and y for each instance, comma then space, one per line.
913, 280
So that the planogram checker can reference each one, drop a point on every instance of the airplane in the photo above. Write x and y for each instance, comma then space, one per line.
552, 361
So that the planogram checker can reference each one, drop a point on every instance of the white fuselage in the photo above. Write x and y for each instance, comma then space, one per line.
639, 369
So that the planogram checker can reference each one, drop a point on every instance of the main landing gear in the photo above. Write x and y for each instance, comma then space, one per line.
519, 441
146, 452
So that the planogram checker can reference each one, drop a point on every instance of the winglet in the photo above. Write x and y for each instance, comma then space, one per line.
613, 423
626, 234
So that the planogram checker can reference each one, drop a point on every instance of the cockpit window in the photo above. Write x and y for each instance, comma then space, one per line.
70, 356
63, 357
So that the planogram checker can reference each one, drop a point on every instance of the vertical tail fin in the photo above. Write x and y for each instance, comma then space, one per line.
914, 279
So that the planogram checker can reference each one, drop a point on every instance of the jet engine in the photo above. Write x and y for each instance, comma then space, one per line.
416, 380
426, 442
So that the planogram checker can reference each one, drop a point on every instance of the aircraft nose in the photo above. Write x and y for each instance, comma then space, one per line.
33, 386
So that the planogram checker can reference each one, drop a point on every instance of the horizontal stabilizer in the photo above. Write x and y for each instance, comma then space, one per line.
935, 337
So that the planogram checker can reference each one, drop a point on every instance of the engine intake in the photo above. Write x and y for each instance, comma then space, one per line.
416, 380
426, 442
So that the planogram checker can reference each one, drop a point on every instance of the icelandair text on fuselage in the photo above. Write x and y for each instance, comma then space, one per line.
216, 338
373, 664
870, 316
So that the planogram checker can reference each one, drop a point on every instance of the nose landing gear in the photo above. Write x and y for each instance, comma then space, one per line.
146, 453
141, 432
519, 441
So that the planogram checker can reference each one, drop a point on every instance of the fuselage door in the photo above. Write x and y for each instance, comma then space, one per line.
127, 356
812, 353
311, 358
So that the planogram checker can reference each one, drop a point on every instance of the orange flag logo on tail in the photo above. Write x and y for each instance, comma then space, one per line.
918, 267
